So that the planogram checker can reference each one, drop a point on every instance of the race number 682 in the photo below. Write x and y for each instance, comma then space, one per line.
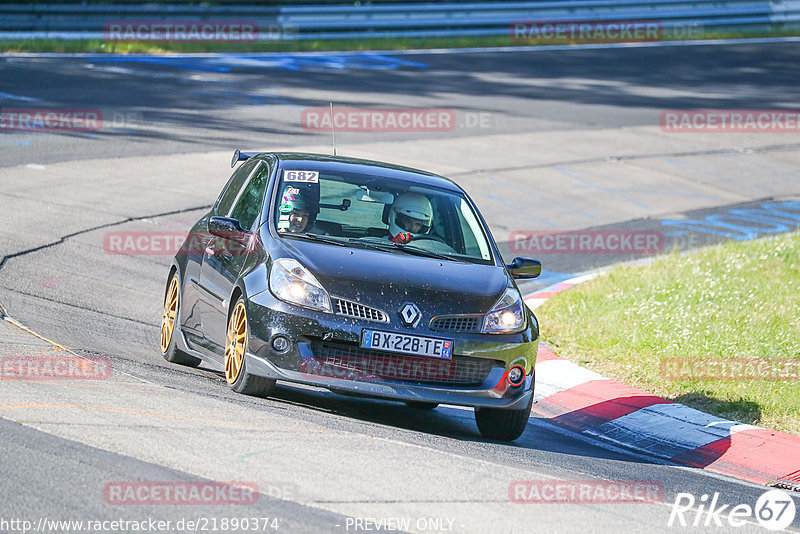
301, 176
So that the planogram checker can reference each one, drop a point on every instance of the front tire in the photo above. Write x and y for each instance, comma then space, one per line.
169, 322
503, 425
235, 364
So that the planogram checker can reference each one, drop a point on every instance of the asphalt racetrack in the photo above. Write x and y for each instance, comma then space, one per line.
544, 141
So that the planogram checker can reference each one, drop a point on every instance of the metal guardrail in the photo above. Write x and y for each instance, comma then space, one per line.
87, 20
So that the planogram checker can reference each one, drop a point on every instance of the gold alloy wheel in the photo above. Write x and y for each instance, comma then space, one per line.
235, 343
170, 314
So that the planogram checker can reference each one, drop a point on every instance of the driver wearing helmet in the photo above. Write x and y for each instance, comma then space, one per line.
410, 215
300, 218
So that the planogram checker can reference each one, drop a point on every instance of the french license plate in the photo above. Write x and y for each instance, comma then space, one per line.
407, 344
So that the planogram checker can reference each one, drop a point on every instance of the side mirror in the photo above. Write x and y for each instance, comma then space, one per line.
523, 268
227, 228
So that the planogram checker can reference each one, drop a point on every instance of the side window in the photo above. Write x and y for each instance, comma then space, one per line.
228, 196
439, 224
248, 205
470, 243
474, 245
445, 222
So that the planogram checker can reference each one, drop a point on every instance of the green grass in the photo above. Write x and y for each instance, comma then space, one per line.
738, 300
101, 46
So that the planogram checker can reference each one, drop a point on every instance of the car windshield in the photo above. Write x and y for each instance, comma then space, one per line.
378, 212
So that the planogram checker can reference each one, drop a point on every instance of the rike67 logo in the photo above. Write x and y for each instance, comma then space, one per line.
774, 510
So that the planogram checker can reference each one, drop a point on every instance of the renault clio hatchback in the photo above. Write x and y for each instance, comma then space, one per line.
361, 277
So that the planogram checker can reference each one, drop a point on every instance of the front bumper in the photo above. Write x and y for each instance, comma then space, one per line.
306, 362
499, 396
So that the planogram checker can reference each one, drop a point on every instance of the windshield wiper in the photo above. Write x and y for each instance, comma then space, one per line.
409, 249
422, 252
317, 237
388, 246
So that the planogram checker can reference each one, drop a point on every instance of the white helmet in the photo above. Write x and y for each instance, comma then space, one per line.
407, 209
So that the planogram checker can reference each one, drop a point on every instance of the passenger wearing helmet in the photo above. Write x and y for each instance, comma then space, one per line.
297, 212
410, 215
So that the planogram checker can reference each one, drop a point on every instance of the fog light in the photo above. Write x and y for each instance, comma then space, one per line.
516, 375
281, 343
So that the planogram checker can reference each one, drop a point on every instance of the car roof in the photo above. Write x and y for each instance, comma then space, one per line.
324, 162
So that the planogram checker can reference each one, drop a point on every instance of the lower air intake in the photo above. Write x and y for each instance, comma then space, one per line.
355, 363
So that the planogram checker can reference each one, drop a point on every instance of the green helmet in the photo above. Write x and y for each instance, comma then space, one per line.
302, 203
298, 199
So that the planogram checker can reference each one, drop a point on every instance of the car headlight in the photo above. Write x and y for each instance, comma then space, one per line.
293, 283
507, 316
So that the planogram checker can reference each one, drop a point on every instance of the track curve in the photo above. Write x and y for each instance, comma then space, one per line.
571, 140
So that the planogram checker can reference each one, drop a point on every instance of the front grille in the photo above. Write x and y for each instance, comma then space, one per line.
355, 363
359, 311
457, 323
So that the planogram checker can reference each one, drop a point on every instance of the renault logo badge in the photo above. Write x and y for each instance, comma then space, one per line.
410, 314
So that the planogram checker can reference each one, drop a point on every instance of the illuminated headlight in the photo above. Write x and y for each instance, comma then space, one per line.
507, 316
293, 283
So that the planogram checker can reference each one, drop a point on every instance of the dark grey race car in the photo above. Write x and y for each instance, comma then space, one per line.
358, 276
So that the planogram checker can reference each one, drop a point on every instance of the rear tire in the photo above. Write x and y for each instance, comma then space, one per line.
235, 363
503, 425
170, 322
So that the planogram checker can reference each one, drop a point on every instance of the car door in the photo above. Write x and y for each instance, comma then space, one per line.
202, 240
192, 250
224, 258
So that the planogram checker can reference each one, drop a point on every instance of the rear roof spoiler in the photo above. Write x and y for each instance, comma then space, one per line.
241, 156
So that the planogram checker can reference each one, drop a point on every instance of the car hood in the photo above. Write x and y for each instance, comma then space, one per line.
387, 280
